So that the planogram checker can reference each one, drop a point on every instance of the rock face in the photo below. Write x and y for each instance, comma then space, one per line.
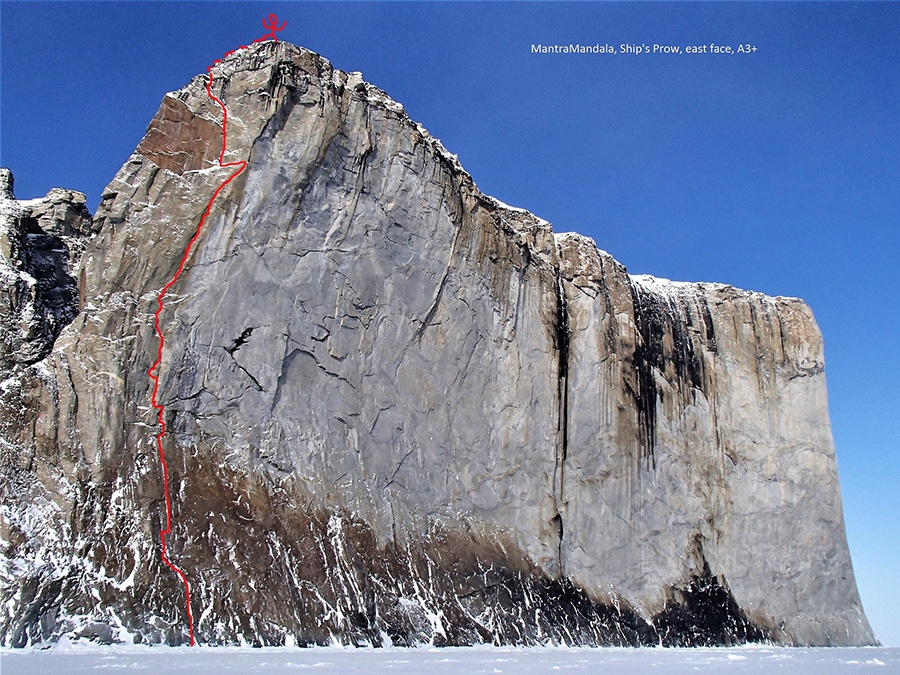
398, 410
41, 241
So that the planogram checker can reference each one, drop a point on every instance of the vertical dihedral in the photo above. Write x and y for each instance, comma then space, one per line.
708, 324
663, 349
561, 338
649, 329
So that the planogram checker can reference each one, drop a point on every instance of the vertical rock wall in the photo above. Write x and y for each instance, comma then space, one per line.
407, 407
699, 437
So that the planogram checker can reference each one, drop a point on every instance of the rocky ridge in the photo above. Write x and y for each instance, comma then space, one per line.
41, 241
417, 413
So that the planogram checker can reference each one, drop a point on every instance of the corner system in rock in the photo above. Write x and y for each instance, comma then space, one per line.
398, 411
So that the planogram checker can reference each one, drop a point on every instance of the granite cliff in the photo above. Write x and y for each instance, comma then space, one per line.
398, 410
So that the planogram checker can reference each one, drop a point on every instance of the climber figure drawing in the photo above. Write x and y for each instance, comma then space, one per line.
271, 26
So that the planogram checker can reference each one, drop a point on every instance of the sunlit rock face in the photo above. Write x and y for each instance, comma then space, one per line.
398, 410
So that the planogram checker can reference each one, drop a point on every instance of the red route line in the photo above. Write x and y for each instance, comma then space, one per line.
153, 370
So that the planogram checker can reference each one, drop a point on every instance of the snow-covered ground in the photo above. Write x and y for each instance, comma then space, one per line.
76, 659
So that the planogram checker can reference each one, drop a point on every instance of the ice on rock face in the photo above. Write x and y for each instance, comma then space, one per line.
399, 411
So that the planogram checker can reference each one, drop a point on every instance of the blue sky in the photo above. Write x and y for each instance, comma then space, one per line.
776, 171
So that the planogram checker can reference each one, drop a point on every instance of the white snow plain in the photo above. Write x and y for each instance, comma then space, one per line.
80, 659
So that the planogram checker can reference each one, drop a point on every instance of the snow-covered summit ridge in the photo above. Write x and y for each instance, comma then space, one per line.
589, 251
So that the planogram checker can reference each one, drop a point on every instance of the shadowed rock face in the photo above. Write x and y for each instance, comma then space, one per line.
401, 411
41, 242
